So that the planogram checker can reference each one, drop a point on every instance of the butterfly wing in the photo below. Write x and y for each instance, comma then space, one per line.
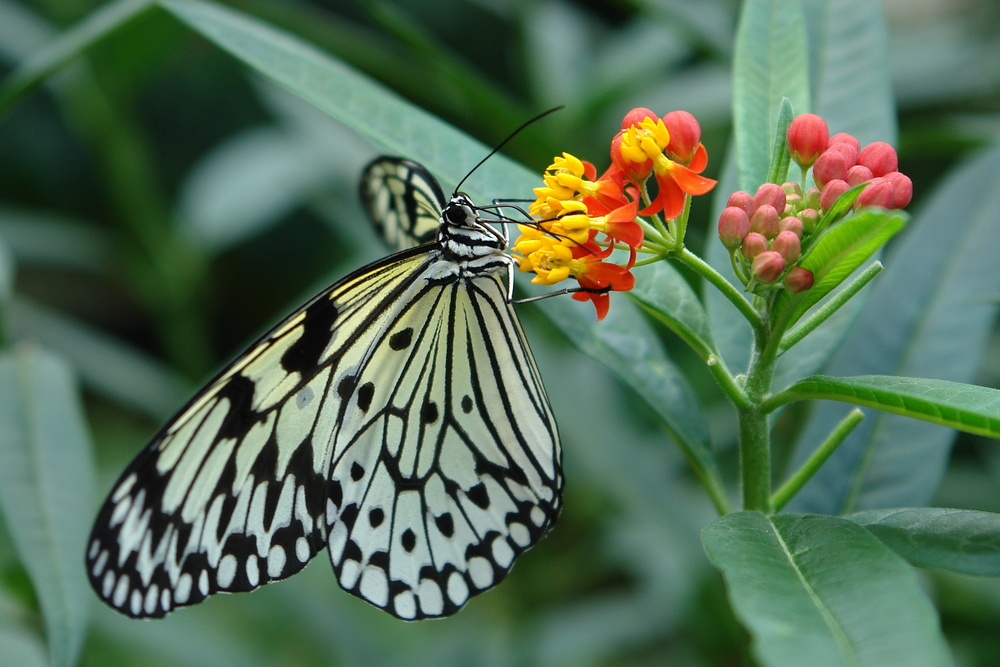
231, 493
406, 389
403, 200
451, 465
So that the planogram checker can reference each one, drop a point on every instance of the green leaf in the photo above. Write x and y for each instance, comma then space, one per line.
853, 87
821, 590
398, 127
47, 488
629, 347
837, 254
963, 541
780, 157
930, 314
770, 63
668, 296
964, 407
69, 45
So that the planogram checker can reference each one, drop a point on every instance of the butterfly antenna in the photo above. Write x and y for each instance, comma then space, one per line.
502, 143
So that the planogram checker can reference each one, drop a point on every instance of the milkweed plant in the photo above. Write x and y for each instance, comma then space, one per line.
817, 561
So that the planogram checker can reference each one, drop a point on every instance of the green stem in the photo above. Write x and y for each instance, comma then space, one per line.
755, 459
817, 459
727, 382
705, 270
829, 308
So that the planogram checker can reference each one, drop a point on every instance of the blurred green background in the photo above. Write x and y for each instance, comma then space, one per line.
163, 206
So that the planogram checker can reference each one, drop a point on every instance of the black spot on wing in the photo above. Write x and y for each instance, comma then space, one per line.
349, 515
466, 404
375, 517
365, 395
304, 354
335, 492
446, 524
479, 496
401, 339
357, 472
238, 390
429, 413
346, 386
408, 539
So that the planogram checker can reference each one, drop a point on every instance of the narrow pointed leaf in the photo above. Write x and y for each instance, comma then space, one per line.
965, 541
46, 489
964, 407
821, 590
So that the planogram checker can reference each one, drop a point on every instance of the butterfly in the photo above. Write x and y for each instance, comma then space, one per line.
396, 419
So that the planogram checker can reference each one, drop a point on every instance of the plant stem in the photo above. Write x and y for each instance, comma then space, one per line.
755, 435
705, 270
817, 459
727, 382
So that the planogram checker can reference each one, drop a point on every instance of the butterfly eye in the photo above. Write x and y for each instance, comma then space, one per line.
458, 214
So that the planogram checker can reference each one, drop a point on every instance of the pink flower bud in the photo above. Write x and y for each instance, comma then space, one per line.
798, 279
742, 200
902, 188
636, 116
764, 221
849, 151
878, 193
734, 224
807, 138
831, 166
791, 188
788, 246
753, 245
859, 174
767, 266
831, 193
770, 194
880, 157
790, 224
685, 135
809, 218
844, 138
811, 199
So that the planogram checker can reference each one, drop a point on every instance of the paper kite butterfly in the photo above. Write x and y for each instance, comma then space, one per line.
397, 419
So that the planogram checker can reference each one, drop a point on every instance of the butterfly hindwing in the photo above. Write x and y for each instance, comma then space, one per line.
469, 473
404, 201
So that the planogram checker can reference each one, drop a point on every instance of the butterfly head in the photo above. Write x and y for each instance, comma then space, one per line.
460, 211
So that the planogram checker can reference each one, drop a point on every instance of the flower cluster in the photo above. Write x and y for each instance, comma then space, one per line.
764, 232
581, 219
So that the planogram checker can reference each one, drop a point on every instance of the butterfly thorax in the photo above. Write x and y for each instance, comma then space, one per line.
468, 242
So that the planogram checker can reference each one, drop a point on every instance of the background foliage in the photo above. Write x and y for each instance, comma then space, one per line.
161, 204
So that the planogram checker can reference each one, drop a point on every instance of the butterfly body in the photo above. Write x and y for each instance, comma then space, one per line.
397, 419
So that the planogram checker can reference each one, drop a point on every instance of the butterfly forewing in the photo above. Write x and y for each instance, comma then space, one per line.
397, 418
403, 200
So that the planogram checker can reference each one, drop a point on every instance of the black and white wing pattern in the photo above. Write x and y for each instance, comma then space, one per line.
404, 201
398, 418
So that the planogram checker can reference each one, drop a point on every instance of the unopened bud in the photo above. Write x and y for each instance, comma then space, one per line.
807, 138
743, 200
858, 174
790, 224
811, 199
844, 138
770, 194
791, 188
753, 245
765, 221
809, 218
902, 188
636, 116
831, 193
878, 193
788, 246
831, 166
880, 157
849, 151
685, 135
767, 266
798, 279
734, 224
793, 204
